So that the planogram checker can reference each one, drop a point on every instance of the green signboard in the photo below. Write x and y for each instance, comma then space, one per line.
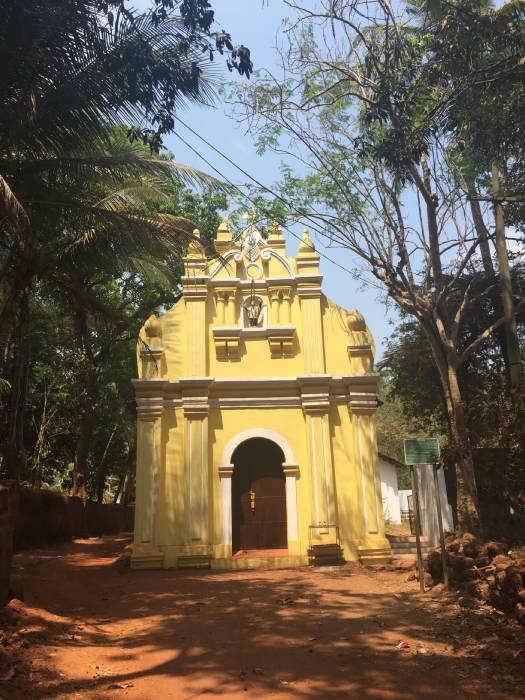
421, 450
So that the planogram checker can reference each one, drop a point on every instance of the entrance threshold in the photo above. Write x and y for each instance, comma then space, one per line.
260, 559
266, 553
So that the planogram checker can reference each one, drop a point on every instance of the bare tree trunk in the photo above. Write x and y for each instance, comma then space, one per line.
19, 280
467, 507
14, 453
488, 266
122, 495
511, 331
45, 421
481, 231
102, 470
467, 493
87, 424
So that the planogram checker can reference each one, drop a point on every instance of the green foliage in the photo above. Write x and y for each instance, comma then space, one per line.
91, 220
103, 61
82, 327
394, 424
392, 115
412, 386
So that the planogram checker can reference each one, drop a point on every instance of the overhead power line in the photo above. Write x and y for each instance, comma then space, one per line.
320, 232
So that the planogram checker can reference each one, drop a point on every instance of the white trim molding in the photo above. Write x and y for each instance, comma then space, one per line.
225, 475
244, 435
290, 470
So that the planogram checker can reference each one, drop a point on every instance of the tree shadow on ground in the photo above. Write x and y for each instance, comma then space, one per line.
307, 633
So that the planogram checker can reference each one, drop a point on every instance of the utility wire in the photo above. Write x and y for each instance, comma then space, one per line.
253, 179
321, 232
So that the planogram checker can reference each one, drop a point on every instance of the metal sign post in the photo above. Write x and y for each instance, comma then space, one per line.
417, 521
440, 525
420, 451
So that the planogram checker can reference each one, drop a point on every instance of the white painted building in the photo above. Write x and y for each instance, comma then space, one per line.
395, 501
389, 489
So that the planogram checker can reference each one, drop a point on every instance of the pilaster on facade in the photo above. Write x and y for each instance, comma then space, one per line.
323, 515
315, 400
286, 305
362, 402
315, 393
273, 296
291, 474
280, 295
195, 395
373, 546
196, 338
225, 476
195, 403
146, 554
308, 282
225, 292
309, 287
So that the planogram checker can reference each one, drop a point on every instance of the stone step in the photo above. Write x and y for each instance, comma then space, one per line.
284, 562
194, 561
396, 539
408, 545
408, 551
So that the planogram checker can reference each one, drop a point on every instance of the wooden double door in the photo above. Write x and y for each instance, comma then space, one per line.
258, 496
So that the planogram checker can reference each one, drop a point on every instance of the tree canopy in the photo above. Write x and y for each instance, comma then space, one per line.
93, 220
373, 108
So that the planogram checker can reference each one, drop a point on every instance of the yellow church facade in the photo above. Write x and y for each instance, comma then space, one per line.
256, 395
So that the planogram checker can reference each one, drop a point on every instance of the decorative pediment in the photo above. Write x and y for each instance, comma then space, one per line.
251, 243
251, 256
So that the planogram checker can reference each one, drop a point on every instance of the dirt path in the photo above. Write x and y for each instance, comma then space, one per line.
91, 629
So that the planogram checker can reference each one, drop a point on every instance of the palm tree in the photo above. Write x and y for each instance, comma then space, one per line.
87, 89
94, 209
69, 73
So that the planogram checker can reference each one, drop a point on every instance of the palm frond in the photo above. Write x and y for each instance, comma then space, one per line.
11, 208
95, 85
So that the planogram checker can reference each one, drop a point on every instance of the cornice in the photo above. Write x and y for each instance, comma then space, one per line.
189, 383
227, 283
316, 279
363, 402
226, 331
281, 281
150, 406
155, 385
312, 393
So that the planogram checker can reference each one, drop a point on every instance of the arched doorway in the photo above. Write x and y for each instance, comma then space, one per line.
258, 496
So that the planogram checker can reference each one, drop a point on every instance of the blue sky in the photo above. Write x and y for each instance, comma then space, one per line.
256, 23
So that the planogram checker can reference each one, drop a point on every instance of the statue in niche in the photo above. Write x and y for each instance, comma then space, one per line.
253, 312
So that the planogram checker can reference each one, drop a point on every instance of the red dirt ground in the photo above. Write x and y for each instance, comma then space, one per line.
92, 629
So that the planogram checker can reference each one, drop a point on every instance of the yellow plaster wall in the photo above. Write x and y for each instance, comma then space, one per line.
325, 435
288, 422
